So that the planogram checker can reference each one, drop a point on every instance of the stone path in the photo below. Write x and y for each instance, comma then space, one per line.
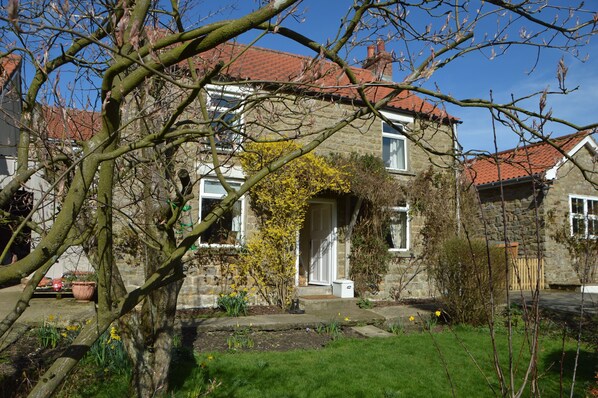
371, 331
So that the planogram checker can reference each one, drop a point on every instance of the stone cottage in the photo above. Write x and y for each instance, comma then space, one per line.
410, 131
302, 97
548, 189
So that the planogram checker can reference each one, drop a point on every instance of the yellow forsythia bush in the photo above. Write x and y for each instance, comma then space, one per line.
280, 203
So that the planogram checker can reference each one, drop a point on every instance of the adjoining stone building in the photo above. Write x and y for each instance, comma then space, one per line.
57, 132
547, 189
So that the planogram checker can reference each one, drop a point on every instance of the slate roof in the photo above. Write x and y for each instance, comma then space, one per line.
317, 76
524, 161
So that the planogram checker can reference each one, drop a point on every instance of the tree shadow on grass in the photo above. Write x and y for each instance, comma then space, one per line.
183, 363
563, 364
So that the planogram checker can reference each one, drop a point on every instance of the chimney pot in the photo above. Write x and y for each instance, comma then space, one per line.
371, 51
380, 46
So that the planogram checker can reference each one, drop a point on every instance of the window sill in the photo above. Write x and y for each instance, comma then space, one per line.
401, 253
401, 172
218, 246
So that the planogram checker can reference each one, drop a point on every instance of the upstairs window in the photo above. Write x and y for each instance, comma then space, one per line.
397, 237
228, 229
225, 111
394, 147
584, 216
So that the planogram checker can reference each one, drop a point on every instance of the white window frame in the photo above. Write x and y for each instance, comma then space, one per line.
398, 120
403, 209
204, 195
215, 91
586, 216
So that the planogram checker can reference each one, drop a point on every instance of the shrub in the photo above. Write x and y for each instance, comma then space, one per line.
463, 278
280, 203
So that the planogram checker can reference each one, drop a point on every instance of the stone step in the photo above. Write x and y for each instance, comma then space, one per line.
371, 331
326, 302
314, 290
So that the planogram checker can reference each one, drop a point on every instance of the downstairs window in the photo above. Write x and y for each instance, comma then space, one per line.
228, 229
584, 216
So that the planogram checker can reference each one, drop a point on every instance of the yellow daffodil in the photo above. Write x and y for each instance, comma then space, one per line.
114, 334
347, 319
411, 318
437, 313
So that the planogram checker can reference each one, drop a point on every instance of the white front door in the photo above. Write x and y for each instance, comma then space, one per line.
322, 242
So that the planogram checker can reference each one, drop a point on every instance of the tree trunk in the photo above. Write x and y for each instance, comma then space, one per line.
148, 336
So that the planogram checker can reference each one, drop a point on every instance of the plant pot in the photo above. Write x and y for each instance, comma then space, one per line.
83, 291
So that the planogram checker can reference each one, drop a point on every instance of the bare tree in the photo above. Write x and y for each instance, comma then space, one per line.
126, 52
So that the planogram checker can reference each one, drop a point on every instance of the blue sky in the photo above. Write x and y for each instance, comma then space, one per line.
471, 77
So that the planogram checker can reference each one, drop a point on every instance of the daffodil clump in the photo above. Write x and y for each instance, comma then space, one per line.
280, 203
234, 303
108, 352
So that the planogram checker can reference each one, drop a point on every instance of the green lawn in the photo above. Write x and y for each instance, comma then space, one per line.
402, 366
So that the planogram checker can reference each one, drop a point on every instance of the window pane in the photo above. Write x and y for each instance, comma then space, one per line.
397, 234
393, 153
222, 121
578, 226
224, 100
215, 188
592, 207
592, 227
387, 128
227, 229
576, 206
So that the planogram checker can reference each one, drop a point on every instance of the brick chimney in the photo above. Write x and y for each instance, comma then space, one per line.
379, 61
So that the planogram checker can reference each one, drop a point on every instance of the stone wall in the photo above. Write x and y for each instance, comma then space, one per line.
558, 268
522, 206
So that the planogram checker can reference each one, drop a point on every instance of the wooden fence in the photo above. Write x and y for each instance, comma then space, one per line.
524, 274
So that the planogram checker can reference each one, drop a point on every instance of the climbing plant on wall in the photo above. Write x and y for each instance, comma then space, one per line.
280, 203
376, 192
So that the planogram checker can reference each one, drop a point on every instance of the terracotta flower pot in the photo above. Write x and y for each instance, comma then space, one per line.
83, 291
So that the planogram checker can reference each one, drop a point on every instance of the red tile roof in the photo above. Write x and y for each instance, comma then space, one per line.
524, 161
69, 124
9, 64
315, 76
256, 64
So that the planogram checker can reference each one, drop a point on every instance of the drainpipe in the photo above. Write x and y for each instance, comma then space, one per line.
297, 253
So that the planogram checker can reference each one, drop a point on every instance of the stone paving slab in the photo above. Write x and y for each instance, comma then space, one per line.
371, 331
62, 312
258, 322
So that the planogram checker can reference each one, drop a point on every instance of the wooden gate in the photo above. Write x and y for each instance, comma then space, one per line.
525, 273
